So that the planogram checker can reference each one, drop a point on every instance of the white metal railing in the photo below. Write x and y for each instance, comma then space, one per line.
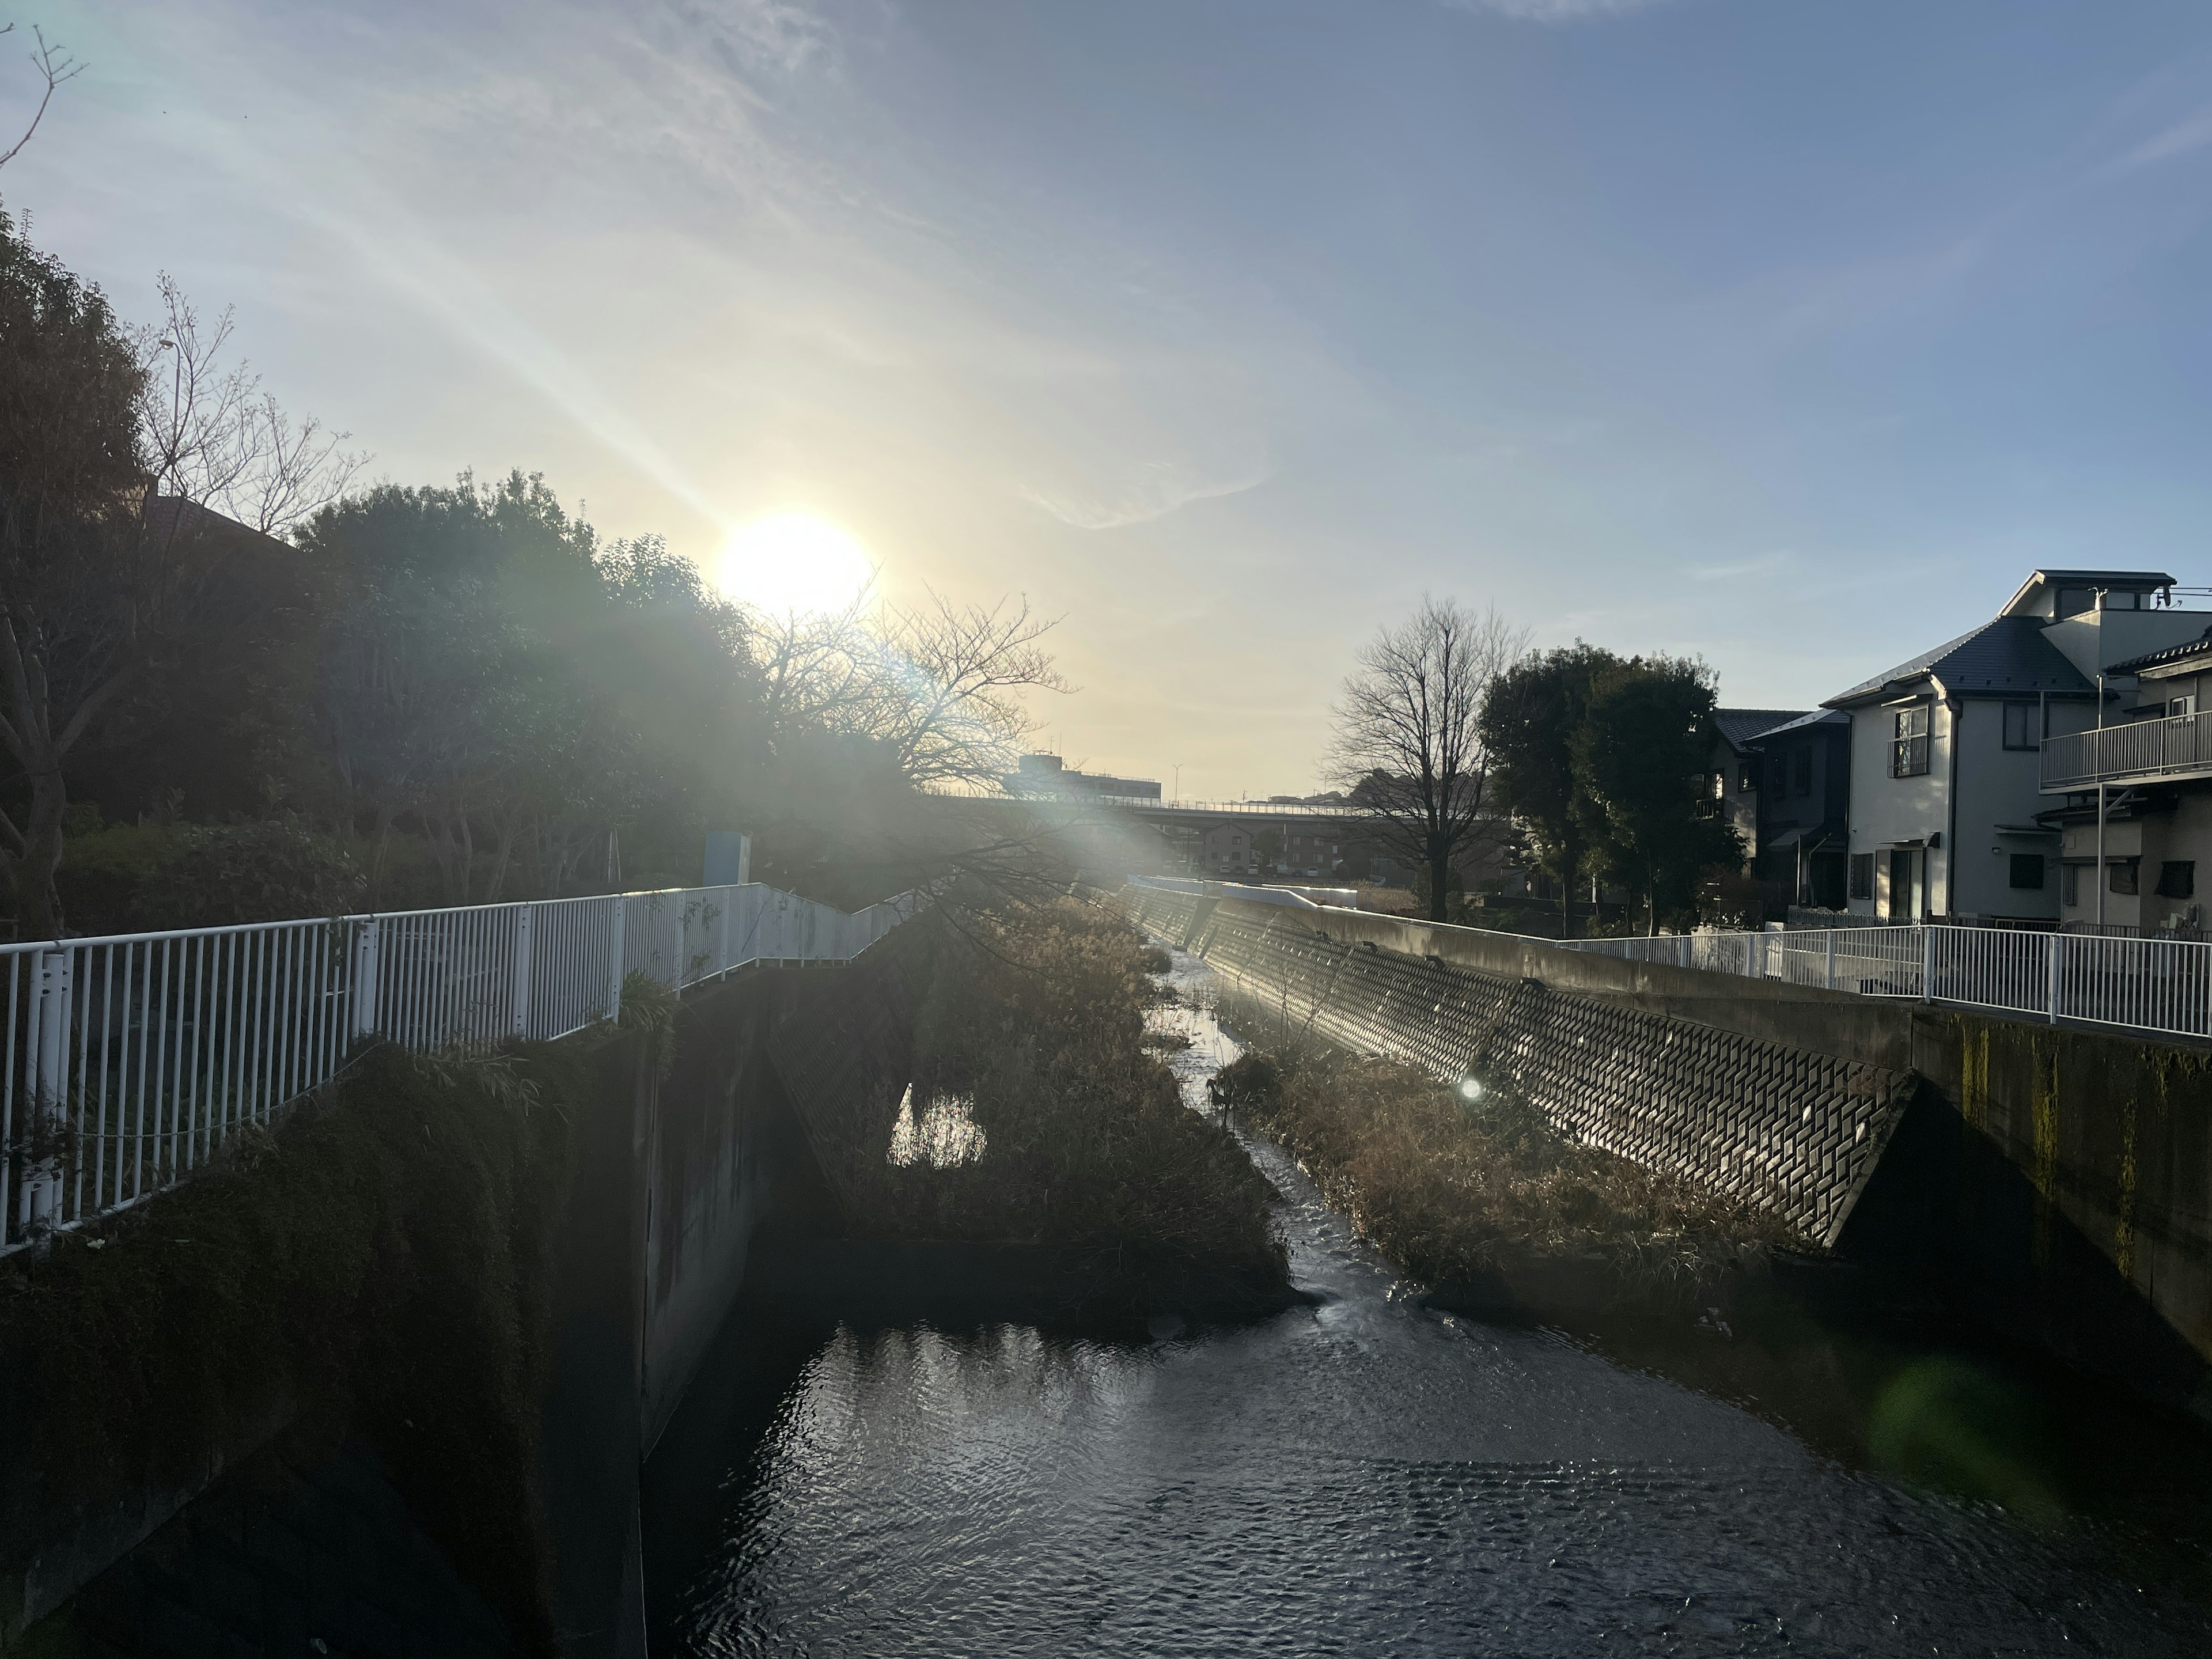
129, 1060
2157, 985
2138, 748
1247, 809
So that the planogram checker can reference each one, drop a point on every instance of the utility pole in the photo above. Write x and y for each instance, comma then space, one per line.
2099, 764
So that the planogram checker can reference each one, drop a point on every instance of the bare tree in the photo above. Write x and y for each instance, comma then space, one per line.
949, 680
1407, 740
54, 66
939, 686
213, 437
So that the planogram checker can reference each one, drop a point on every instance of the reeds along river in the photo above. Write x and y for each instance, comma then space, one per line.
1366, 1476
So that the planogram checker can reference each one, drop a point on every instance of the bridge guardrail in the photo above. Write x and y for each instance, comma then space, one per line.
129, 1059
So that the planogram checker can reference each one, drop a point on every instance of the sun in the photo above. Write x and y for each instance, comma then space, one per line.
793, 564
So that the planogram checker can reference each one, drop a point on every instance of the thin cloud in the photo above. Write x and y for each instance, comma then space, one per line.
2193, 133
1143, 490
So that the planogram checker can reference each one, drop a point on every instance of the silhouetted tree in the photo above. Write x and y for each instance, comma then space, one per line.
1531, 722
1408, 741
1640, 756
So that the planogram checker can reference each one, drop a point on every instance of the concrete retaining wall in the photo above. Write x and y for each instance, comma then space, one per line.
1791, 1128
678, 1157
2056, 1182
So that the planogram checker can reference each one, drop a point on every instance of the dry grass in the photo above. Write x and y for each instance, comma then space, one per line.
1035, 1014
1453, 1192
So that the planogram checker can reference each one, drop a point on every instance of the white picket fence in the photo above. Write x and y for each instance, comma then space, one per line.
2151, 985
129, 1060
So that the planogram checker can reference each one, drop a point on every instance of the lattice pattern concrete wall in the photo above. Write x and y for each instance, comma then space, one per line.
1794, 1131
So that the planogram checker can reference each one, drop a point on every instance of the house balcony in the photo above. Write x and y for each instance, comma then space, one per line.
2140, 752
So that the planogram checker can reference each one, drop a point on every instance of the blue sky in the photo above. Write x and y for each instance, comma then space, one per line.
1789, 334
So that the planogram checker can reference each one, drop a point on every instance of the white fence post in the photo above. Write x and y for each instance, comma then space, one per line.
522, 936
615, 970
1830, 981
366, 944
1927, 962
41, 1200
2056, 940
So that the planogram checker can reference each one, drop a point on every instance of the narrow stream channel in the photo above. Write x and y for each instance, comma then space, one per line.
1361, 1476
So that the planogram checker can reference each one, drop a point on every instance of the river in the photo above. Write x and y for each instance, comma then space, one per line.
1365, 1475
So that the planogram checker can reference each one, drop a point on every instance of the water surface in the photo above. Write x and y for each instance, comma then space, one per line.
1363, 1476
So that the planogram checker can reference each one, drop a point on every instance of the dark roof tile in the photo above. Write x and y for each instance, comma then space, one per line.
1741, 726
2008, 654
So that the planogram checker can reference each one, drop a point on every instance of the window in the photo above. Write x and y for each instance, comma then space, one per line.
1908, 751
2020, 726
1801, 764
2177, 879
1720, 786
2124, 878
2027, 870
1747, 777
2069, 885
1862, 876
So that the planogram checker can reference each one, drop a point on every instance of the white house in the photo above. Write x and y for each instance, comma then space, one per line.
1946, 780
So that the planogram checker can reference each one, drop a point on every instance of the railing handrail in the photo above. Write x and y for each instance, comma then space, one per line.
2103, 753
133, 1057
2158, 987
77, 940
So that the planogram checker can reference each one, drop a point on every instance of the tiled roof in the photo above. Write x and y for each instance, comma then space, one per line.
2180, 652
1741, 726
2008, 654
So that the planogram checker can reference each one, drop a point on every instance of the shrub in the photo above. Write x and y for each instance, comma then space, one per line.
1451, 1190
1035, 1013
148, 878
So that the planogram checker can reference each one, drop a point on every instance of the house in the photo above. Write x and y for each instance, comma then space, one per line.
1946, 787
1804, 807
2152, 830
1734, 771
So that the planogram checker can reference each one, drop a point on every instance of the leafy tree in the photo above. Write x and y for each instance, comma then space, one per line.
1408, 740
1639, 756
1530, 723
78, 589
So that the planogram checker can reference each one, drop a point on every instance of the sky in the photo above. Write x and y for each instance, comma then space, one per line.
1790, 334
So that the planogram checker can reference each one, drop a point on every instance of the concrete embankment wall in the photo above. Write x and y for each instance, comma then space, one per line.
1786, 1125
2055, 1183
617, 1204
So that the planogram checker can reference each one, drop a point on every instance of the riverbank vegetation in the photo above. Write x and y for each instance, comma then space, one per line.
375, 1266
1031, 1029
1484, 1200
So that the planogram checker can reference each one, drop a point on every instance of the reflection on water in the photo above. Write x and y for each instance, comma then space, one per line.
1361, 1476
945, 1134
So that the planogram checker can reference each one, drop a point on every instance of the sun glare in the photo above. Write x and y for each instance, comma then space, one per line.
793, 563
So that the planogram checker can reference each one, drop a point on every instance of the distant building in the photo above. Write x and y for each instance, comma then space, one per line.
1734, 769
1047, 775
1804, 808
